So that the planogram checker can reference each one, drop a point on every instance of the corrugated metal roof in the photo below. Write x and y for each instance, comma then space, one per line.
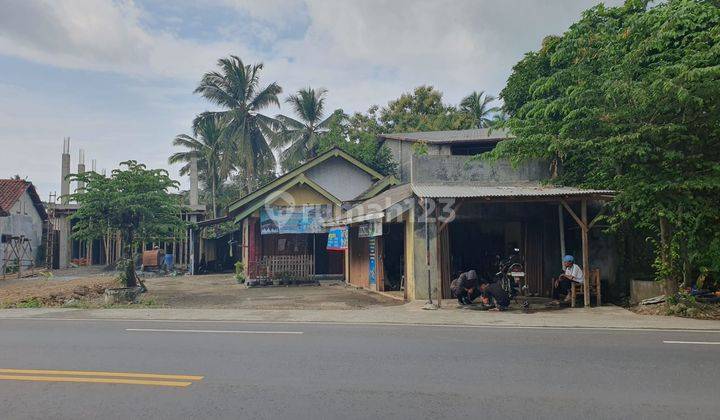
491, 135
472, 191
376, 207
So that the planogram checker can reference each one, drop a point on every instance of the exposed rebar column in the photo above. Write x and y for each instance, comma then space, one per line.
65, 171
81, 168
194, 182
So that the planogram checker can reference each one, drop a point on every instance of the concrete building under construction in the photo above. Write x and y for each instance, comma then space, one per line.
66, 251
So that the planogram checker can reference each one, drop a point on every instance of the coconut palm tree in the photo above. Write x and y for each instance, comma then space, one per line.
298, 138
477, 104
207, 145
499, 119
236, 89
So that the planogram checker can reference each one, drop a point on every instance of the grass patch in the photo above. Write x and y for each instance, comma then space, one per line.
30, 303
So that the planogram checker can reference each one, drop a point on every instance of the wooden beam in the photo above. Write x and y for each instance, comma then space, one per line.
572, 213
561, 223
585, 254
456, 209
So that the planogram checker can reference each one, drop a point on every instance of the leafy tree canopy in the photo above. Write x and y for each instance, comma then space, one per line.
422, 110
134, 201
357, 135
629, 99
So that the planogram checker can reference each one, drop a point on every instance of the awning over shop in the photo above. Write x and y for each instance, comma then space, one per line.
516, 191
388, 205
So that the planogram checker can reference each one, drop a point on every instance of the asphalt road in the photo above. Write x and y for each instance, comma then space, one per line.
314, 371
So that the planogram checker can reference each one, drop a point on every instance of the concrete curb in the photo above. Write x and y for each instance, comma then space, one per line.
604, 318
378, 292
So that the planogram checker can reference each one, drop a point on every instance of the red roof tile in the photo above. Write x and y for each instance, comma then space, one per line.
10, 192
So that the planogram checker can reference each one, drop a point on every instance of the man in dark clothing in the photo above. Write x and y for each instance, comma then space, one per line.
465, 288
493, 293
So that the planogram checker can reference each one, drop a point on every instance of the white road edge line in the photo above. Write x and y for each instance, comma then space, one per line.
715, 343
213, 331
361, 324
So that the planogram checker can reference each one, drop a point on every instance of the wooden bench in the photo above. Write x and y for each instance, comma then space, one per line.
594, 284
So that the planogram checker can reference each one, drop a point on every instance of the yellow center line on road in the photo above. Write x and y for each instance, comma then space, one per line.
104, 374
93, 380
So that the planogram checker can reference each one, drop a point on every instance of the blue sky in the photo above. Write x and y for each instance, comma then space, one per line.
117, 76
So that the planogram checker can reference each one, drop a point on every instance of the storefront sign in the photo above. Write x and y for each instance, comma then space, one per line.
372, 264
298, 219
337, 239
370, 229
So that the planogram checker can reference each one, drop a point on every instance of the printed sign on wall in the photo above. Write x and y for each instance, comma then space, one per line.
337, 239
300, 219
370, 229
372, 266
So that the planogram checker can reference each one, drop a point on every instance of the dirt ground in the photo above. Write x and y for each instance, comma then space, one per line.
222, 291
78, 284
84, 286
707, 311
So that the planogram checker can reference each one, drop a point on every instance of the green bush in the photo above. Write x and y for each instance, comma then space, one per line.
240, 272
30, 303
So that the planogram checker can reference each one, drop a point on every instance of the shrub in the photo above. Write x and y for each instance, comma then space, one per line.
240, 272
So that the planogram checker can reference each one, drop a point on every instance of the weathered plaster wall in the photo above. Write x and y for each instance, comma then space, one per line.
441, 169
23, 220
420, 253
402, 152
340, 178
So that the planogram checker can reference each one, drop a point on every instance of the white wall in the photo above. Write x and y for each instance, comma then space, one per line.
23, 220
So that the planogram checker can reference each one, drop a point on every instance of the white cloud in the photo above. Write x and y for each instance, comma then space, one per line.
364, 51
101, 35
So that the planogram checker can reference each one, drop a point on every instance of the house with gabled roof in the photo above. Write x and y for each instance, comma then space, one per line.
22, 220
448, 213
278, 229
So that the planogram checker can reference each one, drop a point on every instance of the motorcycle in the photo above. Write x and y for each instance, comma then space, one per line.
509, 270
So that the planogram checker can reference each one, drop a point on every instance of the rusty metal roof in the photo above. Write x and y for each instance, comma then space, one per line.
480, 191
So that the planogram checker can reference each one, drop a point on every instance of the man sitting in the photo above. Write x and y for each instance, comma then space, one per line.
495, 296
465, 288
562, 285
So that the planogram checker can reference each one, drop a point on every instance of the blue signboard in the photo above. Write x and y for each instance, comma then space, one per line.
299, 219
337, 239
372, 265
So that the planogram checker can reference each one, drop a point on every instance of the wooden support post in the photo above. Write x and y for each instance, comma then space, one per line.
561, 224
585, 253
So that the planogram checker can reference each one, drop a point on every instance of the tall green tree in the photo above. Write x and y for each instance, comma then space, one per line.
134, 201
478, 106
298, 138
236, 88
357, 135
421, 110
629, 99
210, 149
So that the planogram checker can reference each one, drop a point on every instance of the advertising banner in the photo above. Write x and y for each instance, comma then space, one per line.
298, 219
370, 229
337, 239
